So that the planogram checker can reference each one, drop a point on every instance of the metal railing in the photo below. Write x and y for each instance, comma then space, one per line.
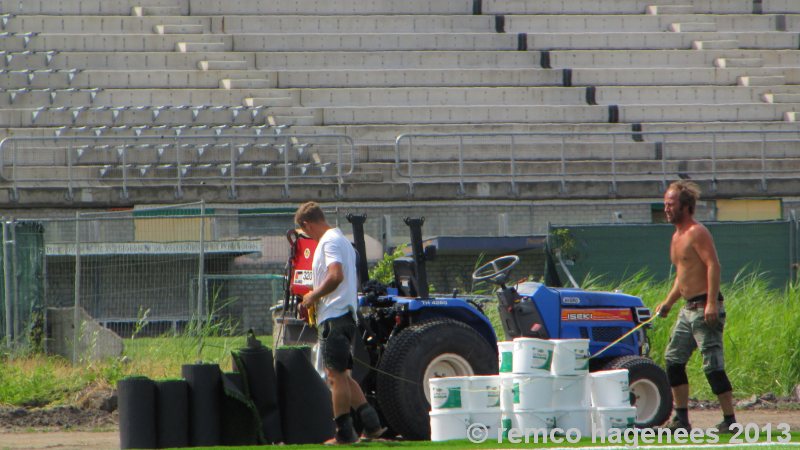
177, 161
607, 156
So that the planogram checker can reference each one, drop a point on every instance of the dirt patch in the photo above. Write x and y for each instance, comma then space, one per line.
59, 418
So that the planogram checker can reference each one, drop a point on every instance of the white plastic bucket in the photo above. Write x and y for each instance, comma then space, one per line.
448, 425
570, 357
570, 393
610, 389
579, 419
507, 392
484, 393
505, 356
532, 356
606, 419
492, 420
534, 423
449, 393
533, 393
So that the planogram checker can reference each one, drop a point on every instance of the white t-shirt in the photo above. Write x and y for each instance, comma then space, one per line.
334, 247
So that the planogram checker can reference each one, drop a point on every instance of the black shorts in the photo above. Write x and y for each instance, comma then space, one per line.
336, 338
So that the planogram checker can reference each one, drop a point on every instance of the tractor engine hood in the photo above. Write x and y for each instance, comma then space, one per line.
579, 297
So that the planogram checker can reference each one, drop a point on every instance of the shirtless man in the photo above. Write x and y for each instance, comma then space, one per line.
702, 319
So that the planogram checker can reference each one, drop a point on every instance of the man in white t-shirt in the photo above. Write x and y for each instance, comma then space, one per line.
335, 298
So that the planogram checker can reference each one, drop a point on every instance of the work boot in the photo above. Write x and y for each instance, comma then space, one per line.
724, 427
372, 423
345, 433
677, 424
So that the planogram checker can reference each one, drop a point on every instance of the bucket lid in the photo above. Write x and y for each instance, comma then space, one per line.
447, 380
449, 413
616, 409
608, 373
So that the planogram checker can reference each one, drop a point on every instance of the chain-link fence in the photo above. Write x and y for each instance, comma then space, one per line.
143, 272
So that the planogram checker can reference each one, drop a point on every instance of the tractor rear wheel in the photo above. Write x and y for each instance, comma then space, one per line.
436, 348
650, 391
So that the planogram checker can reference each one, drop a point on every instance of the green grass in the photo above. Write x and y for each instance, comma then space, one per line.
38, 380
761, 348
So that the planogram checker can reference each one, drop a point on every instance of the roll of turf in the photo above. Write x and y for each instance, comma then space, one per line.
305, 400
257, 368
172, 418
137, 413
205, 393
241, 424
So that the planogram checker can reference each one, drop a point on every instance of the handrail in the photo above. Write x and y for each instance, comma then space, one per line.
542, 149
225, 160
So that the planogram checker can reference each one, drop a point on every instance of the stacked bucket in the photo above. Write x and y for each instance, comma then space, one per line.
458, 402
542, 385
550, 387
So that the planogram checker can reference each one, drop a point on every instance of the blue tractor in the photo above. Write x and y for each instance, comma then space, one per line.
409, 336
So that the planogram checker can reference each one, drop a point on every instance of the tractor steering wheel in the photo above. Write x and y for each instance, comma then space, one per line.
499, 266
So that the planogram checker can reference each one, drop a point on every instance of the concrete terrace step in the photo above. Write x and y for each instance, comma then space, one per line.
642, 23
392, 78
374, 42
773, 97
693, 27
194, 47
554, 114
335, 60
633, 6
140, 11
670, 9
105, 24
270, 101
112, 42
130, 117
719, 44
723, 63
358, 24
223, 65
476, 96
272, 60
418, 77
34, 98
133, 79
659, 40
774, 80
179, 29
86, 7
331, 7
118, 60
665, 58
245, 83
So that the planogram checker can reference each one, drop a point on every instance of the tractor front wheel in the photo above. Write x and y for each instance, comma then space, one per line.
650, 391
431, 349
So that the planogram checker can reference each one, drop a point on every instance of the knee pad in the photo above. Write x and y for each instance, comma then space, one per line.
676, 374
718, 380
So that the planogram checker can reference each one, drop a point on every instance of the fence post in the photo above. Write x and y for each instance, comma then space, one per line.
14, 286
76, 317
201, 263
7, 285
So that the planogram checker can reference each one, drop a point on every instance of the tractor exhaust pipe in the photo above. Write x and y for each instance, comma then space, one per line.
415, 225
357, 221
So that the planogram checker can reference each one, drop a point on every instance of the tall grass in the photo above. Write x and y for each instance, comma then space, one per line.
762, 341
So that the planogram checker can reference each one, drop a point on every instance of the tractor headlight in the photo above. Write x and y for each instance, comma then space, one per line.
643, 314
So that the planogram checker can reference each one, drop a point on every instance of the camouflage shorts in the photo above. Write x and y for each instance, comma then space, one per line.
690, 332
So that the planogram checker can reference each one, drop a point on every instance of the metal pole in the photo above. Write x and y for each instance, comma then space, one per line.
7, 284
201, 262
76, 317
14, 286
